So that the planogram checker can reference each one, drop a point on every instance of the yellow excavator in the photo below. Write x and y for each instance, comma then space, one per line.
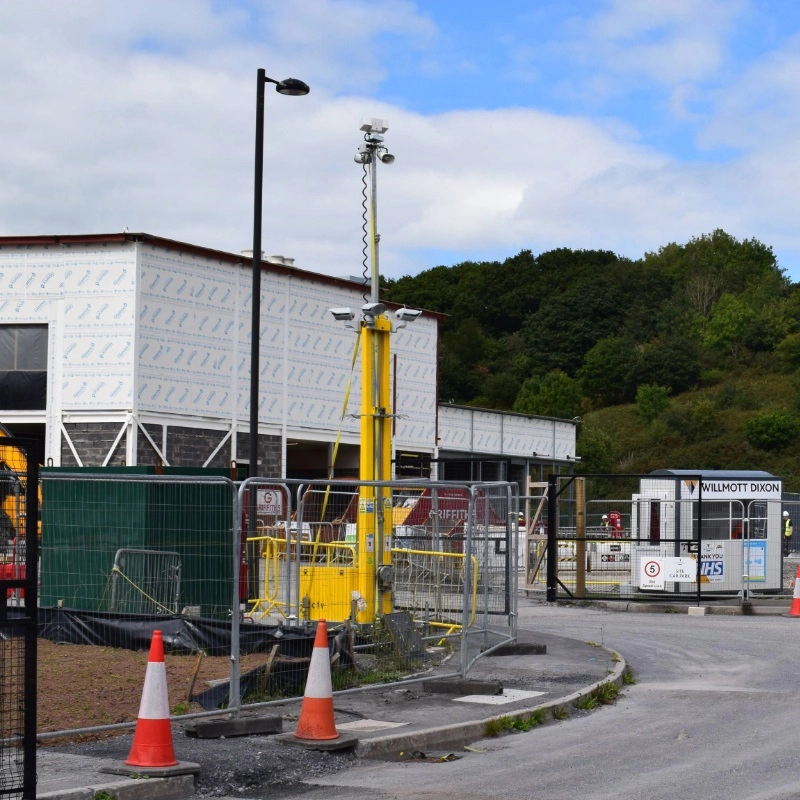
13, 470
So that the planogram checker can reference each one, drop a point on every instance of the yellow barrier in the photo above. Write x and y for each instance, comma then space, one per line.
425, 581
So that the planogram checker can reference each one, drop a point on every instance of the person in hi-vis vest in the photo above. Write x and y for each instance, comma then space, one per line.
788, 530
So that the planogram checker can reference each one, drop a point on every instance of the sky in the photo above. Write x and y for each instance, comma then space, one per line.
620, 125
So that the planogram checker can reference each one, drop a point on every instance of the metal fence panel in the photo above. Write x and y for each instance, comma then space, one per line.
145, 582
18, 617
124, 554
442, 558
253, 567
662, 540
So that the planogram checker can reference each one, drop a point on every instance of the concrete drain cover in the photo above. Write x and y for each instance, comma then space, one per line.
365, 725
508, 696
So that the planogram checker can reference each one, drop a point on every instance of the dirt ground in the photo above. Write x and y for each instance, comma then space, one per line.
81, 686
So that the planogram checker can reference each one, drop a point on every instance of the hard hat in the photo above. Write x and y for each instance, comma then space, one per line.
785, 513
605, 516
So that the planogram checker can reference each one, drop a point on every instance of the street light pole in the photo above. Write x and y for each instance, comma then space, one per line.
290, 86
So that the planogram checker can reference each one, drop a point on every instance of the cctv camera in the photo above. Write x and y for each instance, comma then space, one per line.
342, 314
363, 155
373, 309
407, 314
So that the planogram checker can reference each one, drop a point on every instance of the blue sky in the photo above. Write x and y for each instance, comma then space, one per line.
613, 124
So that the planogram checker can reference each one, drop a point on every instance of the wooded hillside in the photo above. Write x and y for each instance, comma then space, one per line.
685, 358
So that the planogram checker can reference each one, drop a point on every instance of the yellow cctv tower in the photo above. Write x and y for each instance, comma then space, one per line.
374, 522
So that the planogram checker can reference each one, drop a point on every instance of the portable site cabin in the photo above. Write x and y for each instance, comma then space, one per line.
733, 518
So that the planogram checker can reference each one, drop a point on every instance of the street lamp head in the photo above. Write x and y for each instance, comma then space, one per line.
291, 86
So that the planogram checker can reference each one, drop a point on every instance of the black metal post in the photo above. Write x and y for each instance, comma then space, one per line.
552, 536
699, 537
255, 308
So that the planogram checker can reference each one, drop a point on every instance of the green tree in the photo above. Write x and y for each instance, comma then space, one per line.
788, 351
672, 361
596, 450
607, 371
554, 395
583, 300
731, 326
498, 391
710, 265
651, 400
705, 419
461, 352
772, 430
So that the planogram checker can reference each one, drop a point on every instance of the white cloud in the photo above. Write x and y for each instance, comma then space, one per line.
762, 107
141, 115
670, 42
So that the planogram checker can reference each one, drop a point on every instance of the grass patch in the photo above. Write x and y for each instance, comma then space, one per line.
495, 727
628, 678
560, 712
605, 694
586, 703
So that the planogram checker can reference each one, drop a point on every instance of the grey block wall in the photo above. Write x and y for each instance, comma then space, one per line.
92, 441
186, 447
269, 453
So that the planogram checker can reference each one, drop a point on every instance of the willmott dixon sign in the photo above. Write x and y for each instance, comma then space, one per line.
735, 489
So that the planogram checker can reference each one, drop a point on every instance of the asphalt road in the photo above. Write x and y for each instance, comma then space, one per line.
714, 714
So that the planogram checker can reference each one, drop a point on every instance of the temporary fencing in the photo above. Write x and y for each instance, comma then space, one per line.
674, 538
409, 575
443, 557
18, 616
124, 553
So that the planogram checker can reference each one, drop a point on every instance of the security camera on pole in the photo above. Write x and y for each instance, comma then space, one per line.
374, 527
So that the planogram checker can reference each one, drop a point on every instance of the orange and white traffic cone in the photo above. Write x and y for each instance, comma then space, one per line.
316, 714
794, 611
152, 740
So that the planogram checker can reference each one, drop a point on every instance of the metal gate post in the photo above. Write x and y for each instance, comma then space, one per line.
32, 613
234, 694
552, 536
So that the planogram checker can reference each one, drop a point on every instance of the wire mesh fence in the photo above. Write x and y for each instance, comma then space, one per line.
673, 537
240, 574
18, 617
12, 711
396, 566
145, 582
133, 545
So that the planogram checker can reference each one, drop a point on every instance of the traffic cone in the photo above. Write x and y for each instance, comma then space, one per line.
316, 713
152, 740
794, 611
